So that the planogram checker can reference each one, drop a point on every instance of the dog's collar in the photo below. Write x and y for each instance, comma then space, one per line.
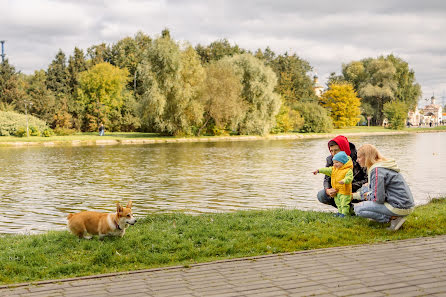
117, 225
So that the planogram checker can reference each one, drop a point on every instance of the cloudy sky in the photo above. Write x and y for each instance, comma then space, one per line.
326, 33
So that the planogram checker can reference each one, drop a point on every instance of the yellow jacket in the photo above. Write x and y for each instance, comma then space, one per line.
344, 173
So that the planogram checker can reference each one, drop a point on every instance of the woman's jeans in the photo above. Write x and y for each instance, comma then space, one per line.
375, 211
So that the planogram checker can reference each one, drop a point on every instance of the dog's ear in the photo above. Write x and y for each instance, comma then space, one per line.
118, 207
129, 205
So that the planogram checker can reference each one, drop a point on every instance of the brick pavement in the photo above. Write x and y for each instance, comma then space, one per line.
413, 267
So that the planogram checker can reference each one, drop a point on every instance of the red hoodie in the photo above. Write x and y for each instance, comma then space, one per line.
343, 143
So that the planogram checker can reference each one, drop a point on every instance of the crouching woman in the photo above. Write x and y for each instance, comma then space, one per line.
387, 196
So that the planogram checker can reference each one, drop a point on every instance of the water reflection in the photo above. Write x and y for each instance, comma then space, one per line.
40, 185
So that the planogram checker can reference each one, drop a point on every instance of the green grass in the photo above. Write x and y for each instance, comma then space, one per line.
179, 239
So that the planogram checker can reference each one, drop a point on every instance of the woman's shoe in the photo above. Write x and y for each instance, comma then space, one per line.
395, 224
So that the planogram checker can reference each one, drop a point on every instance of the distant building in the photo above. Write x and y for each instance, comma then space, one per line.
414, 117
318, 89
433, 112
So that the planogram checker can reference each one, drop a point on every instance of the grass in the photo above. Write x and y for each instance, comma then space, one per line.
119, 136
179, 239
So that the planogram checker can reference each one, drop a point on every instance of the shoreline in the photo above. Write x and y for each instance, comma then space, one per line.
198, 139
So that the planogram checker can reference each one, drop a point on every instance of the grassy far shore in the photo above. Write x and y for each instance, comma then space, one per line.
123, 136
179, 239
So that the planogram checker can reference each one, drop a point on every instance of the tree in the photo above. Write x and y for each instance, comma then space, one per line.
44, 102
396, 113
293, 82
217, 50
259, 82
76, 65
101, 92
57, 76
382, 80
11, 87
407, 89
170, 83
221, 97
98, 54
343, 104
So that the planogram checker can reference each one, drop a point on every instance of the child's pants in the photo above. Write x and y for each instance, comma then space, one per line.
343, 203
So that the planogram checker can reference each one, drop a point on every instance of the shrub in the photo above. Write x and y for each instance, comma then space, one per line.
59, 131
11, 121
316, 117
20, 132
47, 132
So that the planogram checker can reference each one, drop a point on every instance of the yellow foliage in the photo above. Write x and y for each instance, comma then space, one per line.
343, 104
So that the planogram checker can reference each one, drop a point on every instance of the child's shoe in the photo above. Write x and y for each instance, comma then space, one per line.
395, 224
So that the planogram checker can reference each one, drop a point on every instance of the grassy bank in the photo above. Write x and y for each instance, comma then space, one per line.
180, 239
121, 137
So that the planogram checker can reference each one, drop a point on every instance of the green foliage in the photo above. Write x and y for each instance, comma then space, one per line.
221, 97
11, 86
48, 132
316, 117
61, 131
44, 102
12, 122
217, 50
262, 102
294, 83
343, 104
171, 80
57, 76
396, 113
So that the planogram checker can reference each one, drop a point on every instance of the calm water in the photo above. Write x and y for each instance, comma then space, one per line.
39, 186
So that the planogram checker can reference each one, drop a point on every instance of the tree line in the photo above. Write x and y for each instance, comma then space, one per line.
159, 85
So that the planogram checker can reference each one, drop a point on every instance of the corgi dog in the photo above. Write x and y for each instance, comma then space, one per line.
85, 224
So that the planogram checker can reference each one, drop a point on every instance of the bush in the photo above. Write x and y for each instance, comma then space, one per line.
316, 117
11, 122
47, 132
59, 131
287, 120
20, 132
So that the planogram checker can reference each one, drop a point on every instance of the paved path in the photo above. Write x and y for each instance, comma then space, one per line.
414, 267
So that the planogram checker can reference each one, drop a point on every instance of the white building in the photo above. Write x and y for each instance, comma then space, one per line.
433, 112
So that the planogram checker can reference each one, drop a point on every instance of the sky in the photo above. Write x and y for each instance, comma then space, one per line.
325, 33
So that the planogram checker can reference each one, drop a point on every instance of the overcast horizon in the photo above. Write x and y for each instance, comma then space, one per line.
324, 33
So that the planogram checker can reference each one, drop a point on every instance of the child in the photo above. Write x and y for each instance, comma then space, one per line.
341, 174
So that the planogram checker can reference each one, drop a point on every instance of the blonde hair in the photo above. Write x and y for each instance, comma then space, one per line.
370, 154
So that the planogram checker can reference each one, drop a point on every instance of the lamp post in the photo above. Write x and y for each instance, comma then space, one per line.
26, 113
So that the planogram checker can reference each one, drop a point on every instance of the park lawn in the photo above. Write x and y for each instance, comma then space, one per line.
160, 240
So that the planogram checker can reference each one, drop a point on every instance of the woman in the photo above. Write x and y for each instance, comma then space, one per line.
388, 197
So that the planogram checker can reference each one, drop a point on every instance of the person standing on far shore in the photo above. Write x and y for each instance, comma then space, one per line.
101, 130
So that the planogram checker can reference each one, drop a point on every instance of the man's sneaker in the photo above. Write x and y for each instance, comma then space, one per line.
395, 224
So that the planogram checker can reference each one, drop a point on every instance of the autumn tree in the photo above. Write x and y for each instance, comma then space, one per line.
343, 104
43, 99
101, 92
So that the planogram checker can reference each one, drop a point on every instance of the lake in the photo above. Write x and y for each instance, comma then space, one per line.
39, 186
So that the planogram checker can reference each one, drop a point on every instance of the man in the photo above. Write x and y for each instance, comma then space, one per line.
337, 144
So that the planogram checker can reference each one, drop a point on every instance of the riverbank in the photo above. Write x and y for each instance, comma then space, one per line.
162, 240
116, 138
